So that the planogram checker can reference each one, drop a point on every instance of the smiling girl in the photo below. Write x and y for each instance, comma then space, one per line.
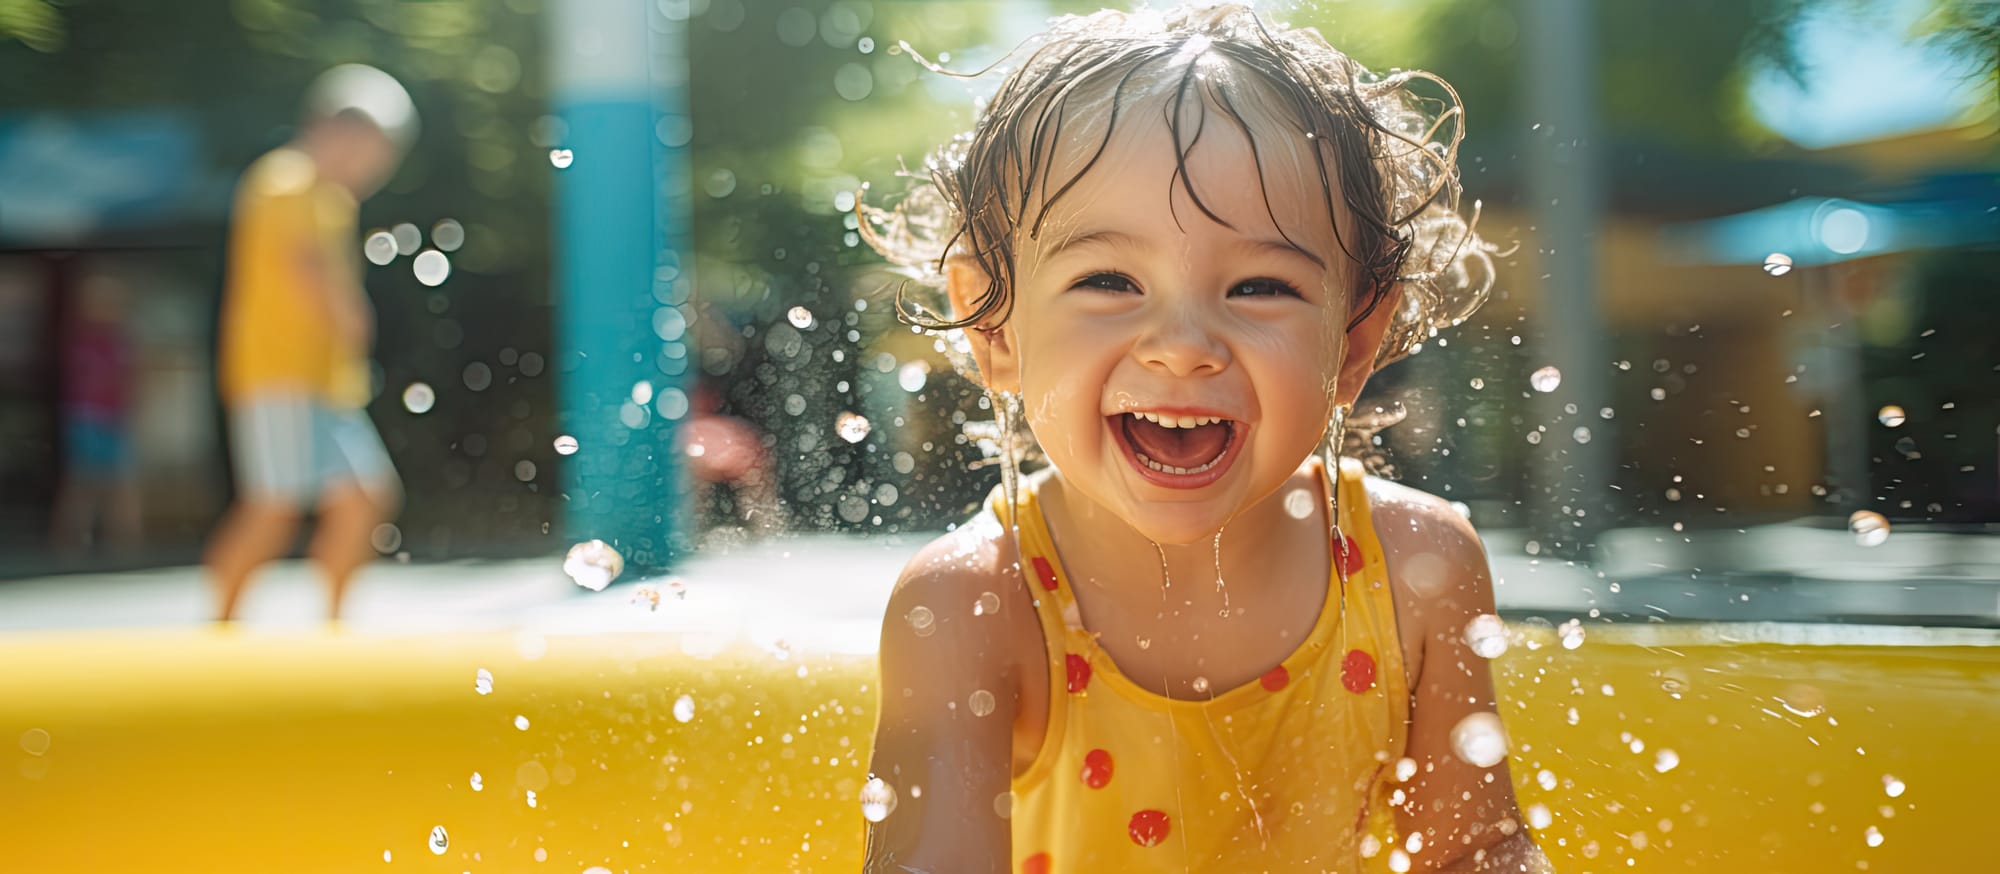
1177, 244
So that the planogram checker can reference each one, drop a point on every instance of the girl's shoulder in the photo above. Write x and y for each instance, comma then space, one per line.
1436, 564
952, 587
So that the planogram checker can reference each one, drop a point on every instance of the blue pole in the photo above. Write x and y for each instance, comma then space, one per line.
624, 335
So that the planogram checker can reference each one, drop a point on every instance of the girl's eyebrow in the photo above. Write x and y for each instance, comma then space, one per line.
1120, 239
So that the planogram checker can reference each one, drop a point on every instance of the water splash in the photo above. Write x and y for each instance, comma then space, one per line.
1487, 635
1479, 739
593, 564
1546, 379
1868, 527
878, 800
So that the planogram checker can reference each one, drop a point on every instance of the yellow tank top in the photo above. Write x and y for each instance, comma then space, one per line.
1289, 773
273, 337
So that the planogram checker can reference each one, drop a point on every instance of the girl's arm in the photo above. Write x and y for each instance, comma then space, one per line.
946, 764
1465, 815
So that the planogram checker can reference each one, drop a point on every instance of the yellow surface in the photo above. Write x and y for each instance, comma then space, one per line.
204, 751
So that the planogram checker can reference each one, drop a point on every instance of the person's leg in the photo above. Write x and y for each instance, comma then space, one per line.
253, 533
272, 446
359, 492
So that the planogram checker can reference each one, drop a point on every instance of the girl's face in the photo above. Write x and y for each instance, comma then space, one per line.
1177, 370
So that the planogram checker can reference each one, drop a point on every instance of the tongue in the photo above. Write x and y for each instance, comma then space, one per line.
1177, 447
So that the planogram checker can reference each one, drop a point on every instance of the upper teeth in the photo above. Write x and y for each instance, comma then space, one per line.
1180, 421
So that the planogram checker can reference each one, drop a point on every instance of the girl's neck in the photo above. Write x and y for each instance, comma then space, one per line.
1103, 552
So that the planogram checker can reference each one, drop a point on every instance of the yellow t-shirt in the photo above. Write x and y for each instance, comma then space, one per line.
1288, 773
275, 335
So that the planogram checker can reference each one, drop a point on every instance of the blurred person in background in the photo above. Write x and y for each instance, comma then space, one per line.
99, 485
295, 337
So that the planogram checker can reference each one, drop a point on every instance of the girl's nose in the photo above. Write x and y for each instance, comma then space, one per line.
1178, 341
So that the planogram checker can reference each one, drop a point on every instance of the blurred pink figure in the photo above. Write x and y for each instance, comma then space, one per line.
725, 449
99, 483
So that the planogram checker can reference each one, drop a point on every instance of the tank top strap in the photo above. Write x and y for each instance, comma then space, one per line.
1371, 646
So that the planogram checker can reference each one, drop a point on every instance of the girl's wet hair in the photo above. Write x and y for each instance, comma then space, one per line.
1386, 158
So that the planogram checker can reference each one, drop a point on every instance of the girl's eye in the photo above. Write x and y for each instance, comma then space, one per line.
1107, 282
1263, 288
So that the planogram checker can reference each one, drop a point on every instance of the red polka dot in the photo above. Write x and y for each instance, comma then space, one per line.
1349, 556
1079, 672
1097, 769
1148, 827
1277, 679
1046, 572
1357, 671
1035, 864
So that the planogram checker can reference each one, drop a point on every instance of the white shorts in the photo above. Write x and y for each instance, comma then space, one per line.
290, 448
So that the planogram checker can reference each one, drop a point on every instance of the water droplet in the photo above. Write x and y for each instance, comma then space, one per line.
1868, 527
865, 44
521, 722
1581, 434
477, 376
1539, 816
419, 398
408, 238
987, 605
380, 248
439, 841
386, 538
478, 782
387, 855
1892, 786
1487, 636
684, 708
35, 741
800, 317
1399, 861
1200, 685
1802, 700
1299, 503
524, 470
565, 445
981, 703
1371, 846
448, 234
878, 800
482, 682
921, 620
561, 158
1666, 760
431, 267
1546, 379
1478, 384
1479, 739
593, 564
852, 427
1777, 264
1873, 836
1572, 634
543, 854
913, 375
1406, 768
1891, 416
1003, 805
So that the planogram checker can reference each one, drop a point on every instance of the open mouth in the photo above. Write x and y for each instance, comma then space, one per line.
1177, 451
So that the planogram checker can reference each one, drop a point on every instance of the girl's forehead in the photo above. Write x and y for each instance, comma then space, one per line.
1250, 167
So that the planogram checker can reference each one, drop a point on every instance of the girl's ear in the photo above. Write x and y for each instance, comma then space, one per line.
1363, 342
993, 348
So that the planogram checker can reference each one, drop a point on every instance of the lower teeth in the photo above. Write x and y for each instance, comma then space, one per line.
1163, 468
